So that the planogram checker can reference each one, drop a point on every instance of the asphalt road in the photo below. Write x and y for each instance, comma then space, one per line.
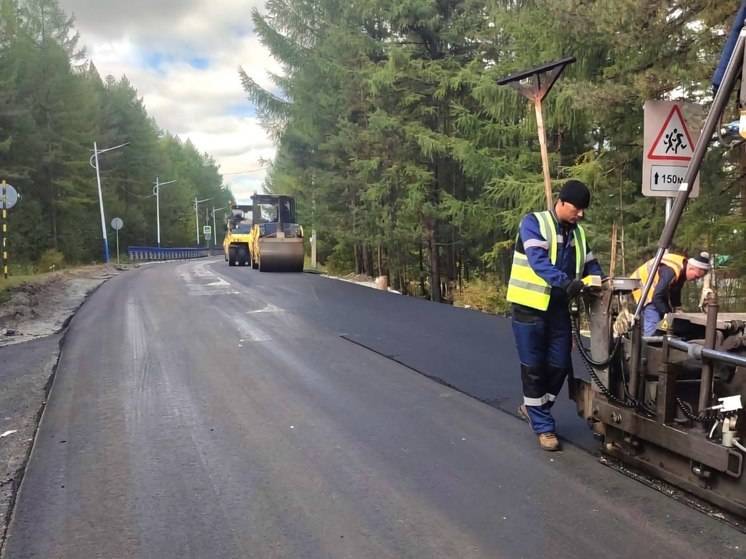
212, 412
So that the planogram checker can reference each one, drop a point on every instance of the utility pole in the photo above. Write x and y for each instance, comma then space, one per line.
101, 205
196, 213
157, 192
93, 162
196, 217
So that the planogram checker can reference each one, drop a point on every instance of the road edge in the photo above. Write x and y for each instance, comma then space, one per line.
16, 481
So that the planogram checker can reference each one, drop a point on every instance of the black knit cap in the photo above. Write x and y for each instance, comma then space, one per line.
576, 193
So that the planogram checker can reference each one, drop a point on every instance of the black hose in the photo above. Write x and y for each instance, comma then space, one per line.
591, 366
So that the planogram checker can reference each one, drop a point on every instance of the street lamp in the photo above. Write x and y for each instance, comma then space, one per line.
93, 158
214, 229
157, 194
196, 213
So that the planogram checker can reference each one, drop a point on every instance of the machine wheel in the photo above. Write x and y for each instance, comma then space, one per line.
231, 262
254, 264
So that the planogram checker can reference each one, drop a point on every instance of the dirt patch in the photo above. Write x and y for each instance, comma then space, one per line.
41, 308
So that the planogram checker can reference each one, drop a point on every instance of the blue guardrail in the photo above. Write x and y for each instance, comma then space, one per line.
148, 254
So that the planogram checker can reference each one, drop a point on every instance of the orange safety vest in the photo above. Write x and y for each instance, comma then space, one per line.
674, 261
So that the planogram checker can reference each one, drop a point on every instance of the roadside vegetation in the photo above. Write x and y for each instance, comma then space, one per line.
411, 162
53, 106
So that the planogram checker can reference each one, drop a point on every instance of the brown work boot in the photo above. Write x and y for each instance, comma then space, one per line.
549, 442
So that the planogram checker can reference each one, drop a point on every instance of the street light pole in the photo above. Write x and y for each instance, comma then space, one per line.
196, 213
93, 162
101, 206
157, 193
214, 229
196, 217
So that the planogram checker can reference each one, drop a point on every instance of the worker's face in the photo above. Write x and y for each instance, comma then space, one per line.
569, 213
693, 273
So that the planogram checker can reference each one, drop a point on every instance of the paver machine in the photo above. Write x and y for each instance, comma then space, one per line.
237, 241
671, 404
276, 238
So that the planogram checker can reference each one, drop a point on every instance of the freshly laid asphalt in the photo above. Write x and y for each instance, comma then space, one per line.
206, 411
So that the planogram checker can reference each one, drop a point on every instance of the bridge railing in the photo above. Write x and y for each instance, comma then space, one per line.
149, 254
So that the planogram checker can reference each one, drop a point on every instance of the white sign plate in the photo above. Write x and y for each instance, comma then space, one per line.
671, 132
117, 223
207, 229
9, 196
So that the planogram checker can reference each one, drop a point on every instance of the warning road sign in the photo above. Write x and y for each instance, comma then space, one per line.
669, 144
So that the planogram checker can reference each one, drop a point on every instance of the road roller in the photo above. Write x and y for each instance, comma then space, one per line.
670, 404
237, 241
276, 243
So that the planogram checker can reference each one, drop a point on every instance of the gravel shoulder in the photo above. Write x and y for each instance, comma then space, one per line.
32, 327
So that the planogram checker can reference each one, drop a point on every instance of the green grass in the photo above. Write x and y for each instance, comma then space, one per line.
12, 282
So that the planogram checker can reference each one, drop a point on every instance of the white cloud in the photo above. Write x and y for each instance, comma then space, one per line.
182, 56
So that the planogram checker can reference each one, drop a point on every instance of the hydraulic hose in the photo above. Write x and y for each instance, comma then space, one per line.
591, 365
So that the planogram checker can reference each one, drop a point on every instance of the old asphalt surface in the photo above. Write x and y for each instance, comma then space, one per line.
206, 411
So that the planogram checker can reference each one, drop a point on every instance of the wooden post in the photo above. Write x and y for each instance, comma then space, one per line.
612, 264
544, 153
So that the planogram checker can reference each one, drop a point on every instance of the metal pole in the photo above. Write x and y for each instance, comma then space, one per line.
713, 117
669, 203
544, 152
214, 230
196, 218
101, 205
117, 247
158, 208
313, 248
3, 191
705, 387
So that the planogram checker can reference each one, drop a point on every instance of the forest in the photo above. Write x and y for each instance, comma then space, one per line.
410, 161
404, 153
53, 106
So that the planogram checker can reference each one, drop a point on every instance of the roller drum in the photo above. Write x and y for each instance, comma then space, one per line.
281, 255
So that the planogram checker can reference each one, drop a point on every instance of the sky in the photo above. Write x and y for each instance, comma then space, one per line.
183, 56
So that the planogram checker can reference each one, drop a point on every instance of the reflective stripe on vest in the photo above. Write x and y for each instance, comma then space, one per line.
673, 261
525, 286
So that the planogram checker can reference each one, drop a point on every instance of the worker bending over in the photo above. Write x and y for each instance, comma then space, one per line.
550, 258
665, 293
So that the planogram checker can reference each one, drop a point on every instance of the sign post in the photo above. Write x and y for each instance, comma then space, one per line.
669, 143
117, 224
8, 199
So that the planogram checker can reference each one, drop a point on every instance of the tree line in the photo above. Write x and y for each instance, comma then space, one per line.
53, 106
411, 161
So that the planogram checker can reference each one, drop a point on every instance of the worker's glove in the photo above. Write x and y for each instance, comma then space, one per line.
573, 287
623, 322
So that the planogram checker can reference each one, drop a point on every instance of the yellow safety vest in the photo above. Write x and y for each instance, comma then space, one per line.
674, 261
525, 286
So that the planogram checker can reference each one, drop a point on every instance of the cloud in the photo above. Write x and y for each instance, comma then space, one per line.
183, 56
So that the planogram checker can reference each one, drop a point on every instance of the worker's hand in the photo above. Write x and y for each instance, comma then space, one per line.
623, 322
573, 287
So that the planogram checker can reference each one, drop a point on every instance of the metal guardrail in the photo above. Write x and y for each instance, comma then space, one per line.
149, 254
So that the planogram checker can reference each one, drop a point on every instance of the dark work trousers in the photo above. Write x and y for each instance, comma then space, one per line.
544, 342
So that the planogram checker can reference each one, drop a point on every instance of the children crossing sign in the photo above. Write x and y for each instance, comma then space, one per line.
669, 145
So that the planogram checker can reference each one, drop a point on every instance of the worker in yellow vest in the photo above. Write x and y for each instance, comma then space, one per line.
665, 293
550, 258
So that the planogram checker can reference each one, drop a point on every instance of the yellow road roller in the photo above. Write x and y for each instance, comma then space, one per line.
237, 241
276, 238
